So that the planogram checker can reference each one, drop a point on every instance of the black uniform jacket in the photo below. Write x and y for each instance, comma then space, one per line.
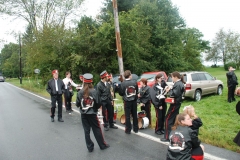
51, 88
231, 79
144, 94
155, 91
182, 140
128, 90
177, 91
104, 91
89, 105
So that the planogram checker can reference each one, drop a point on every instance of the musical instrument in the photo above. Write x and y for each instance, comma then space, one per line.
123, 119
169, 100
143, 122
141, 114
237, 91
163, 92
115, 115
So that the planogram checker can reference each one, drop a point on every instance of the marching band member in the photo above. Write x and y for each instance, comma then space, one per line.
89, 102
68, 82
129, 91
112, 91
55, 87
145, 98
158, 100
103, 89
176, 92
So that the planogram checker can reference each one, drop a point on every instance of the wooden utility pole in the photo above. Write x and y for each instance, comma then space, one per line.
118, 39
20, 60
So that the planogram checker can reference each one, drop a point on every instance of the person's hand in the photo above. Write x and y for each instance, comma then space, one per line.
160, 107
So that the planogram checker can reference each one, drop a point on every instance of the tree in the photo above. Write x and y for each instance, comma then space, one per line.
225, 47
10, 60
40, 13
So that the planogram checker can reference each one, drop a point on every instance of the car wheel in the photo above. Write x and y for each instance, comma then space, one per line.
197, 95
219, 90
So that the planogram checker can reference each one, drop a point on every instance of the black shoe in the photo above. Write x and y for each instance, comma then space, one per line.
162, 131
136, 131
114, 127
234, 100
107, 146
128, 132
60, 120
159, 133
90, 150
106, 128
52, 119
164, 140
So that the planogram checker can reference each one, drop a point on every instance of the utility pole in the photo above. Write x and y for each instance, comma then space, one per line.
118, 39
20, 60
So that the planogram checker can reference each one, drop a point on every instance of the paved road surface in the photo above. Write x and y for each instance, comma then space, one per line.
27, 133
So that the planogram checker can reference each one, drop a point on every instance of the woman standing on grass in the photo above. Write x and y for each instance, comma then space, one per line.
184, 143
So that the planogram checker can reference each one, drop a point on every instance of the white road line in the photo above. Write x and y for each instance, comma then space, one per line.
206, 155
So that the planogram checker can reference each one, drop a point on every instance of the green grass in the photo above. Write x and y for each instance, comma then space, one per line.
220, 120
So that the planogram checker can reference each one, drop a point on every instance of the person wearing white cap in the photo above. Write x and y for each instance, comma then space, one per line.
89, 102
232, 81
56, 87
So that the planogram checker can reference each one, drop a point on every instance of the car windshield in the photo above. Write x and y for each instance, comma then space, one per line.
149, 77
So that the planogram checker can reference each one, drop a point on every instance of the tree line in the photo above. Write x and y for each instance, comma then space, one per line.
153, 35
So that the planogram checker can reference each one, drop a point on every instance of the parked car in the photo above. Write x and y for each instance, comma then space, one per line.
150, 76
2, 79
198, 84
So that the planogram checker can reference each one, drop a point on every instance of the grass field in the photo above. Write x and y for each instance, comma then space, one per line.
220, 120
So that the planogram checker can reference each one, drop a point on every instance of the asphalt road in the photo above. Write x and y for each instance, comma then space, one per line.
26, 133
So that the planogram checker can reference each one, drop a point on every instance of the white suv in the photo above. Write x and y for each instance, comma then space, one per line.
198, 84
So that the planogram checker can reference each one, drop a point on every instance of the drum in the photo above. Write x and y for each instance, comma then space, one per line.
169, 100
141, 114
143, 122
122, 119
115, 116
237, 91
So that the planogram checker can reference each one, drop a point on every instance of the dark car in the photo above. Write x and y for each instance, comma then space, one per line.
2, 79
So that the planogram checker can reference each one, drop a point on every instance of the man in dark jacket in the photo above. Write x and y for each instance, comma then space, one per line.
56, 88
129, 91
231, 82
103, 89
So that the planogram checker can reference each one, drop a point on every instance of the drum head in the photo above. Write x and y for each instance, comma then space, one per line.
123, 119
145, 122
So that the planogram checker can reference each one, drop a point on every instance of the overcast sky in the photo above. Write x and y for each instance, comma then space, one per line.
208, 16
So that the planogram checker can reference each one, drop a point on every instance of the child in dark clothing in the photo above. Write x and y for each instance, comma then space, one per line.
196, 121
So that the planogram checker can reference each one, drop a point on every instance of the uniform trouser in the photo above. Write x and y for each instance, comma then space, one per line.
56, 98
130, 107
147, 108
67, 100
160, 114
231, 91
107, 113
172, 112
113, 110
91, 121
